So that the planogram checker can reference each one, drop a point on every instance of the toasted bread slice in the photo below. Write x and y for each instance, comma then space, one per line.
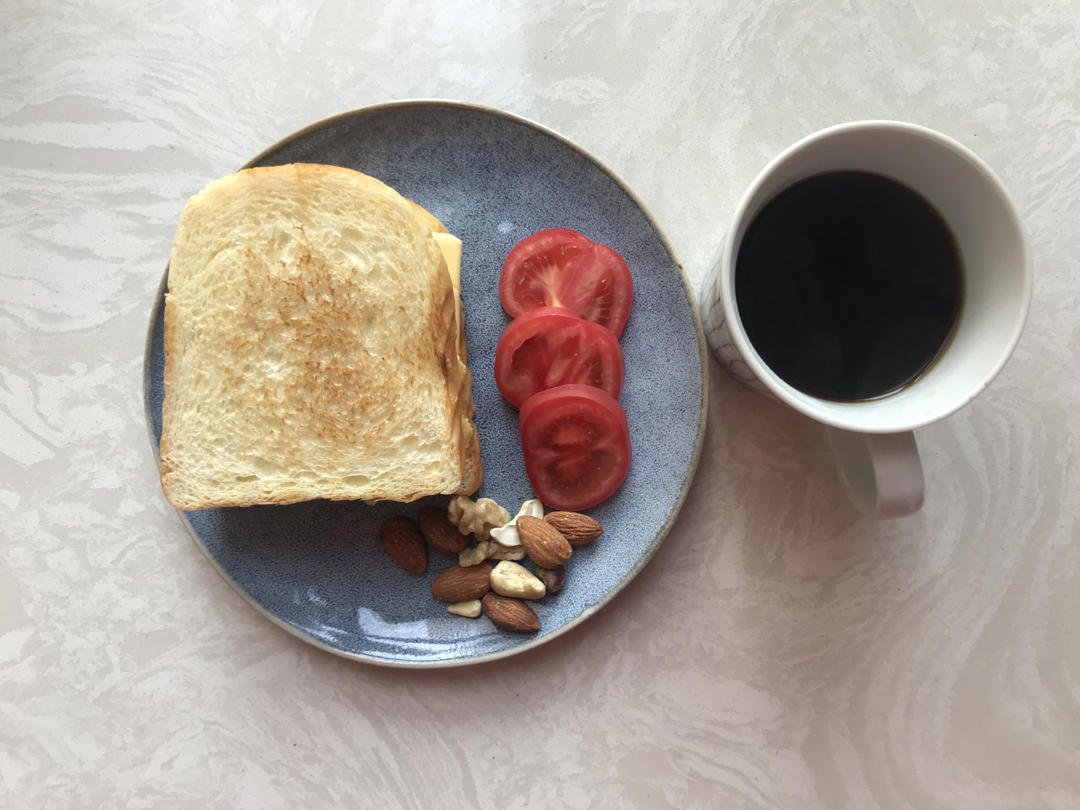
313, 346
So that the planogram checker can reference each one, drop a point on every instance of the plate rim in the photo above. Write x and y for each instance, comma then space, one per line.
669, 518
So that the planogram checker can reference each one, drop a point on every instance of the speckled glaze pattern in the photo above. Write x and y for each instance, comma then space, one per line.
318, 568
778, 651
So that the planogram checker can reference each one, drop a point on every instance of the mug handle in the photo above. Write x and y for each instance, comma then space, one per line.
881, 472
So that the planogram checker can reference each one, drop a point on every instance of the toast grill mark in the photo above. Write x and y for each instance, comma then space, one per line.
298, 329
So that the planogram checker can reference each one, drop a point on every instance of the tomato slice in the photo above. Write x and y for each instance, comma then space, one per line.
576, 446
534, 265
561, 267
552, 346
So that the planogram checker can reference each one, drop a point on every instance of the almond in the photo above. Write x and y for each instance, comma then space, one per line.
510, 614
460, 584
542, 542
440, 532
578, 529
404, 545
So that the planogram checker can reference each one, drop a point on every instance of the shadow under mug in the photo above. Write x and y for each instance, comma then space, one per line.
872, 441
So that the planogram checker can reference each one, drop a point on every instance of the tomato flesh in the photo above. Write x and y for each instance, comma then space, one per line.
576, 445
537, 262
551, 346
561, 267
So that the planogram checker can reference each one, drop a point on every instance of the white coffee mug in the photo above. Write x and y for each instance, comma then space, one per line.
872, 441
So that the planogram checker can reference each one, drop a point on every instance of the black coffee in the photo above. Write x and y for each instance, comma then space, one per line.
848, 285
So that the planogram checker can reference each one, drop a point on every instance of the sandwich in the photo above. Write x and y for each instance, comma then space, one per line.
314, 346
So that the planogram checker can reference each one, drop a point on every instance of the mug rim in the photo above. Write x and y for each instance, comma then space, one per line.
767, 377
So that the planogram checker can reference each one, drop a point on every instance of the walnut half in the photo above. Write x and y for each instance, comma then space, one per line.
476, 517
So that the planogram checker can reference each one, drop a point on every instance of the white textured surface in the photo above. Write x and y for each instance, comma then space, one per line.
779, 651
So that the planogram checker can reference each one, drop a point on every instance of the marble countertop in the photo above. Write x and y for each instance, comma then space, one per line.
778, 651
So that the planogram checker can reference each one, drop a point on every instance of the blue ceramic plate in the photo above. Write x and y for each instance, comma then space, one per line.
317, 569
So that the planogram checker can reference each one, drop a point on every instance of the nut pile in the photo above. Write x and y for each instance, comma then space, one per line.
474, 586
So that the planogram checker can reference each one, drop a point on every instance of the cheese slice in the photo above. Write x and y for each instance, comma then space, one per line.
450, 246
451, 249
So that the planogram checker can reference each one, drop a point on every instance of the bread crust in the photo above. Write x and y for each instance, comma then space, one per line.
435, 225
167, 427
